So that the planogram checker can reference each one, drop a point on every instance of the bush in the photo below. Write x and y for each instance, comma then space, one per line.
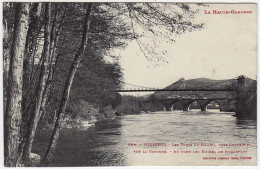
129, 105
82, 109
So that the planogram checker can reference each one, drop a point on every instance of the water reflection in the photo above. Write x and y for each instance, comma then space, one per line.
246, 124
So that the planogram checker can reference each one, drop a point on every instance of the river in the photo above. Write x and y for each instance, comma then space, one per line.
184, 138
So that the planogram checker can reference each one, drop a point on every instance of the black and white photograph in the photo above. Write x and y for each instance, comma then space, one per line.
102, 84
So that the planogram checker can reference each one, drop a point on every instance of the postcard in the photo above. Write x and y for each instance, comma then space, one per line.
89, 84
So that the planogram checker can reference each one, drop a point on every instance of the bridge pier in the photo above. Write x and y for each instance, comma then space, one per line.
204, 107
168, 108
186, 107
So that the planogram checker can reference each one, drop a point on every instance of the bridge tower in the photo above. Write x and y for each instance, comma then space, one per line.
241, 84
240, 95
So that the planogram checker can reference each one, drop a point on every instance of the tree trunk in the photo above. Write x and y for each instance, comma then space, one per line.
6, 59
30, 47
14, 92
31, 41
53, 54
66, 92
32, 34
35, 114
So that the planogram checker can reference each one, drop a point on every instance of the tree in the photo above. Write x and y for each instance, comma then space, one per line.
35, 115
14, 93
66, 92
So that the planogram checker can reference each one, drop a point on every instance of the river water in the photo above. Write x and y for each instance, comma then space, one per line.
168, 138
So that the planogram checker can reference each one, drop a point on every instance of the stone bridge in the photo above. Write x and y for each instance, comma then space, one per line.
168, 103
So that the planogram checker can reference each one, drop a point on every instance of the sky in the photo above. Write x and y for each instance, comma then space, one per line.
225, 49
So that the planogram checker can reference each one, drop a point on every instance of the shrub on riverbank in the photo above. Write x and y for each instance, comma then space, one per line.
82, 109
106, 113
81, 114
86, 115
129, 105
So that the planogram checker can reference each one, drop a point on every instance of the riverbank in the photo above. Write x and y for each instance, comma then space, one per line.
80, 120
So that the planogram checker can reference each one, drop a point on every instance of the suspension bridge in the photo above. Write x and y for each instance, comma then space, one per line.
223, 85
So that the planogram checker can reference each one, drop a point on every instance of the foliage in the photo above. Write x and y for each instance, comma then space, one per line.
129, 105
82, 109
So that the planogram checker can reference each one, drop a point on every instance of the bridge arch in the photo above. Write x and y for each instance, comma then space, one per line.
177, 105
192, 105
220, 104
213, 105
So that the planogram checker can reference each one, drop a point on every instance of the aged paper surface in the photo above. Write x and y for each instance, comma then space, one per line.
129, 84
